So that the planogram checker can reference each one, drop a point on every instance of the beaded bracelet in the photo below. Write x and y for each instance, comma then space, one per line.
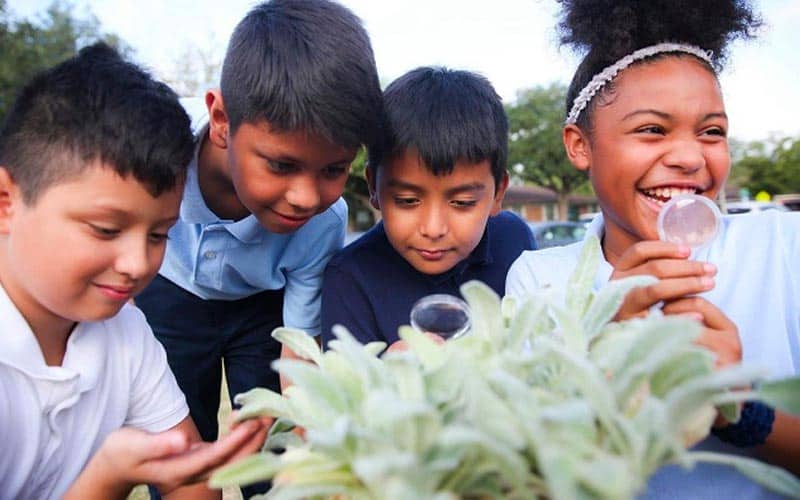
753, 427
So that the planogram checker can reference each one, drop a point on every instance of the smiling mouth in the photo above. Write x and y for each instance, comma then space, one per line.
661, 195
293, 218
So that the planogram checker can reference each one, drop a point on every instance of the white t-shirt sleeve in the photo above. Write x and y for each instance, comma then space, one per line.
156, 402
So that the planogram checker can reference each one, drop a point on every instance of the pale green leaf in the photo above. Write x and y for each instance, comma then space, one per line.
581, 282
255, 468
782, 394
485, 317
301, 343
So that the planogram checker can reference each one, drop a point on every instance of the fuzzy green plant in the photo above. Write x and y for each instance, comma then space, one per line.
544, 398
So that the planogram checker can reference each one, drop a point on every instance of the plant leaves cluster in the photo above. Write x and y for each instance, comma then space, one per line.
545, 398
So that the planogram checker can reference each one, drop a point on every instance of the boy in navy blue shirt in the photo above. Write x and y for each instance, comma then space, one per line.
438, 177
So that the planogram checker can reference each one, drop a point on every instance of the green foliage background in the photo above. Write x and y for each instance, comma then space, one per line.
29, 46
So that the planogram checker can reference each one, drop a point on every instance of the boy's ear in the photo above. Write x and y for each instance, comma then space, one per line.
9, 194
577, 146
499, 194
218, 124
369, 172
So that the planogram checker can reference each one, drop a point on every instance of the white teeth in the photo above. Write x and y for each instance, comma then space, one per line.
666, 193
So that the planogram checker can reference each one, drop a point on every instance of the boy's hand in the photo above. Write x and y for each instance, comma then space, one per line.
402, 345
166, 460
678, 277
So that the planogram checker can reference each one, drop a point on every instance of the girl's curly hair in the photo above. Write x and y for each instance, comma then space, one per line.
607, 30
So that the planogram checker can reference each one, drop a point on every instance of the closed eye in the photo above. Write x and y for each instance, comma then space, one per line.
281, 167
463, 203
406, 201
335, 171
104, 232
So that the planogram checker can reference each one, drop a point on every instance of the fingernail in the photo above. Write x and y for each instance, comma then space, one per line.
684, 250
710, 269
707, 282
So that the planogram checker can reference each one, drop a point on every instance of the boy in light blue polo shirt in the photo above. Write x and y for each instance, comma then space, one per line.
262, 210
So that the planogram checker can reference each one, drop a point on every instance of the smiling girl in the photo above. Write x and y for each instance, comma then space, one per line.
645, 118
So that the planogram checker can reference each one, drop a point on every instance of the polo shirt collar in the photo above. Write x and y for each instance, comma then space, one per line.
193, 208
195, 211
83, 360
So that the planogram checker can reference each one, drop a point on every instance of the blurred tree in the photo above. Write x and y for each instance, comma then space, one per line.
356, 193
772, 165
30, 46
196, 70
535, 151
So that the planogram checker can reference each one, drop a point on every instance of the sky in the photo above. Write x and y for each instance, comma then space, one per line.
511, 42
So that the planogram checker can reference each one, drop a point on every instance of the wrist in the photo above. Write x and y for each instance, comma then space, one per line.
753, 427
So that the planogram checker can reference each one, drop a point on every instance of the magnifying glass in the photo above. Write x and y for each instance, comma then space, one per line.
441, 314
689, 219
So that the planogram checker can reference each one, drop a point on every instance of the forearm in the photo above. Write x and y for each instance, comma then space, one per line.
783, 444
96, 482
196, 491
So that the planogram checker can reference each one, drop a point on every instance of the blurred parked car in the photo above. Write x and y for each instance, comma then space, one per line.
586, 218
554, 234
743, 207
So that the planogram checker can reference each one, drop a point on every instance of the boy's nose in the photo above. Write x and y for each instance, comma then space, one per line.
687, 155
133, 260
434, 223
303, 194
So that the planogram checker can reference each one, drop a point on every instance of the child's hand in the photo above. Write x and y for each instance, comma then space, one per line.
680, 280
719, 335
167, 460
678, 276
402, 345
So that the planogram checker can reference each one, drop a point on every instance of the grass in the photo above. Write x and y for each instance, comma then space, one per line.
230, 493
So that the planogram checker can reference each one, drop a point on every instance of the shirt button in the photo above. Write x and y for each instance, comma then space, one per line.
210, 255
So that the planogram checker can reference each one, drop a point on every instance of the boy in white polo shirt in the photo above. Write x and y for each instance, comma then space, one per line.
92, 159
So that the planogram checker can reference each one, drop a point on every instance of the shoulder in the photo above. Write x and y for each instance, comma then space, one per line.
367, 251
771, 225
508, 231
507, 220
334, 217
128, 332
549, 267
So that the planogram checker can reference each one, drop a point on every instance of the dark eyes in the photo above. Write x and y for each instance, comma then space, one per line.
280, 167
650, 129
109, 233
335, 171
405, 202
329, 172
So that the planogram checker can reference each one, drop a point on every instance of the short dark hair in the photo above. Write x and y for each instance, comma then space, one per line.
446, 115
95, 107
303, 65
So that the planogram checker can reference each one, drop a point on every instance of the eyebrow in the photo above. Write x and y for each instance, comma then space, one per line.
286, 158
125, 214
468, 187
667, 116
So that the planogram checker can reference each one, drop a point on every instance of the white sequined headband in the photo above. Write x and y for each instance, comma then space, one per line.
600, 79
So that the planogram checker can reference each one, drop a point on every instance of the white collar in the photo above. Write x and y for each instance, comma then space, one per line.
83, 360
